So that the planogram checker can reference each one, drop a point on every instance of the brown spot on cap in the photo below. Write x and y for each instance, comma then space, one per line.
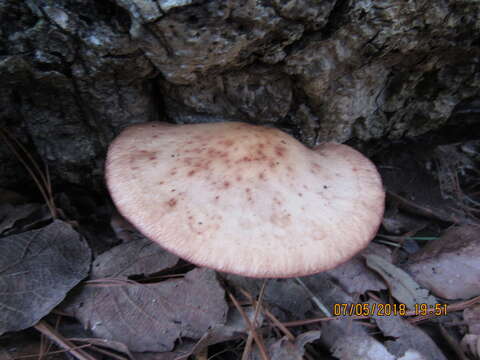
280, 150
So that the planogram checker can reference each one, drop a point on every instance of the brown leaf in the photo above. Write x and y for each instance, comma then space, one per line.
346, 338
37, 269
360, 347
407, 337
284, 349
181, 351
132, 258
402, 286
234, 327
450, 266
285, 294
103, 343
151, 317
355, 277
11, 214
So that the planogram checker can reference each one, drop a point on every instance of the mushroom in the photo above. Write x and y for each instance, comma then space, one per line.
245, 199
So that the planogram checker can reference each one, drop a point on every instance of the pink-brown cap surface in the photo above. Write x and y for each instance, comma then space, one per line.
245, 199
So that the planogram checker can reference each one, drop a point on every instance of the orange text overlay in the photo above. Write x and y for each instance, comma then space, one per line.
388, 309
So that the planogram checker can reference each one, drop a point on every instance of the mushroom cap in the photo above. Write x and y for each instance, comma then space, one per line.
245, 199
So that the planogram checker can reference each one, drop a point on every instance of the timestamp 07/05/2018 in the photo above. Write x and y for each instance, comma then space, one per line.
375, 309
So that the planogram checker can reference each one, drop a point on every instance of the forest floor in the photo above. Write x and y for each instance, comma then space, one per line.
77, 279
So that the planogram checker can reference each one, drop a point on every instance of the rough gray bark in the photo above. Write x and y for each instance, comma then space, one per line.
73, 73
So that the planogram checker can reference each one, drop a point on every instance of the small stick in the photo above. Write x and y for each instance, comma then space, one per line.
272, 317
41, 183
51, 352
44, 328
453, 344
248, 344
316, 320
258, 340
108, 353
315, 299
202, 355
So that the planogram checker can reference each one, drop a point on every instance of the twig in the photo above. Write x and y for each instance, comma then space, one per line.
50, 343
322, 319
51, 352
453, 344
272, 317
108, 282
108, 353
44, 328
248, 344
258, 340
43, 184
202, 355
414, 208
315, 299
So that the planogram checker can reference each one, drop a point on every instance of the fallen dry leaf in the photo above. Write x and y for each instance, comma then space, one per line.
235, 327
355, 277
37, 269
471, 341
103, 344
397, 222
285, 349
181, 351
450, 266
471, 316
10, 214
407, 337
15, 219
151, 317
402, 287
347, 339
412, 355
284, 294
361, 347
133, 258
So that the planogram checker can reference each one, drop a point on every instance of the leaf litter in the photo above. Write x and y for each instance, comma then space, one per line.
285, 349
402, 286
407, 337
147, 317
450, 265
471, 340
37, 269
141, 302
